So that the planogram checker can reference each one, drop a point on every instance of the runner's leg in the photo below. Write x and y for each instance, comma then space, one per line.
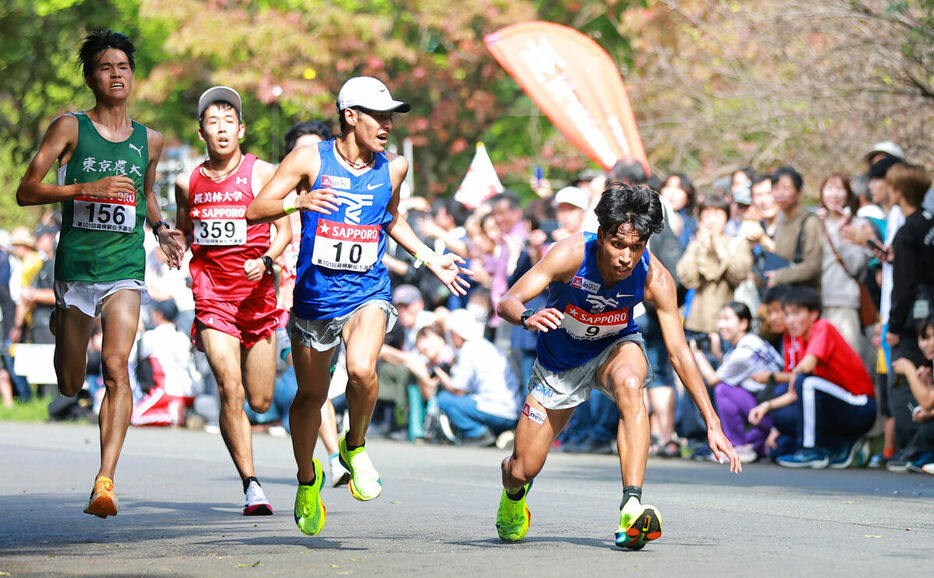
313, 373
72, 335
224, 355
119, 324
533, 440
624, 373
259, 372
328, 430
363, 334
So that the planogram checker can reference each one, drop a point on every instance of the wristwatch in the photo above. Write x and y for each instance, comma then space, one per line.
267, 260
525, 317
157, 226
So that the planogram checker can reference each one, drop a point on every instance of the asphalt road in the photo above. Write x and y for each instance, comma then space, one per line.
181, 502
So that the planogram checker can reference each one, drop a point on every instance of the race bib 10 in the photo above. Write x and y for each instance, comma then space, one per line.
593, 326
116, 215
345, 246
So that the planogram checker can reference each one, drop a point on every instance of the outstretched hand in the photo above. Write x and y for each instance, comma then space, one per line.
722, 446
172, 243
448, 269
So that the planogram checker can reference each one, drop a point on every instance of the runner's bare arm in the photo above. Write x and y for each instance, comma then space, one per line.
182, 208
558, 264
301, 165
262, 174
58, 144
171, 241
448, 267
256, 268
660, 290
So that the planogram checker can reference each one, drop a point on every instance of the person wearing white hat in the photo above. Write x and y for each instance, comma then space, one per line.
571, 208
233, 281
109, 164
881, 150
342, 291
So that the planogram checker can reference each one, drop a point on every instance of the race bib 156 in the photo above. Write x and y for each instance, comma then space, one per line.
117, 215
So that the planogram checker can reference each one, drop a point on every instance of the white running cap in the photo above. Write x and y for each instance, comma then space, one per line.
573, 196
369, 93
218, 94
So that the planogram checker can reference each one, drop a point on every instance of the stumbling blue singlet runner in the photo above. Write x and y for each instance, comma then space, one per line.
340, 256
594, 315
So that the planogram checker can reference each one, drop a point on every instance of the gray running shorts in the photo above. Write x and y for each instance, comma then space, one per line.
325, 334
571, 387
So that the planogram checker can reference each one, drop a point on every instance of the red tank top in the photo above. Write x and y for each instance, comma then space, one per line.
221, 238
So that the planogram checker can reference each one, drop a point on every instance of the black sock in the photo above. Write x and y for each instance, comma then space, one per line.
246, 482
630, 491
517, 496
311, 483
351, 448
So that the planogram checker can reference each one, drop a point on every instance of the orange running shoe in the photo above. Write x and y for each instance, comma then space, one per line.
103, 501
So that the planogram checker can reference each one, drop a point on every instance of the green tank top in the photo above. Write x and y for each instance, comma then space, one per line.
102, 239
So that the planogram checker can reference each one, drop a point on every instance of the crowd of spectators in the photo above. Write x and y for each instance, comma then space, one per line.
809, 316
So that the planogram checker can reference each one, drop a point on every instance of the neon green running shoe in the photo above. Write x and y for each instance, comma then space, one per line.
365, 483
310, 512
638, 525
513, 517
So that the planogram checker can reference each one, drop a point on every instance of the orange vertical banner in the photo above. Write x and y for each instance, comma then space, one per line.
576, 84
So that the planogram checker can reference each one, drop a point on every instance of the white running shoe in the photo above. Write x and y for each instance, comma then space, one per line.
339, 474
256, 502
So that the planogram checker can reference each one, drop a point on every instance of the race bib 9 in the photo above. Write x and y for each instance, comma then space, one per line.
590, 326
218, 232
117, 215
345, 246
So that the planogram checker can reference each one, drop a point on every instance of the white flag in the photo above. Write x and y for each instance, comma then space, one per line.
481, 181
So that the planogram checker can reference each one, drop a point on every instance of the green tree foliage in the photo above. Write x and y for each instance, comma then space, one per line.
714, 84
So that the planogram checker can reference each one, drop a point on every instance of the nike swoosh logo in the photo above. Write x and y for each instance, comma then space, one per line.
371, 187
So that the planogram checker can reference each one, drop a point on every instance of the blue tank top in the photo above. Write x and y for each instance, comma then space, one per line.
340, 255
594, 315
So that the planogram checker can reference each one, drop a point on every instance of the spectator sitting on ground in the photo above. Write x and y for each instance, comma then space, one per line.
481, 394
919, 379
829, 387
713, 264
736, 393
167, 352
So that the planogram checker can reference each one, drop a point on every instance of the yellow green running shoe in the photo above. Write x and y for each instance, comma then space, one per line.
513, 517
365, 483
638, 524
310, 512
